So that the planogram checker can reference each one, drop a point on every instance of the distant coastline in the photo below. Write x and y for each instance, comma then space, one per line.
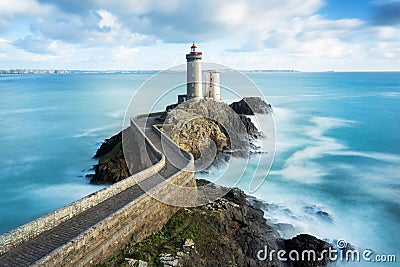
64, 71
29, 71
50, 71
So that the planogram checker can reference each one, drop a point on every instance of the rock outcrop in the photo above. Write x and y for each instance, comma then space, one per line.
226, 232
304, 242
108, 145
251, 105
201, 124
112, 165
195, 126
201, 133
248, 124
229, 231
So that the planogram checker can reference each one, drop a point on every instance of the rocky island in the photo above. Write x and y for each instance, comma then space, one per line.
225, 126
229, 231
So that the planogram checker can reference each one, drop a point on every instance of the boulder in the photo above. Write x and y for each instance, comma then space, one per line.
250, 106
112, 166
305, 242
195, 124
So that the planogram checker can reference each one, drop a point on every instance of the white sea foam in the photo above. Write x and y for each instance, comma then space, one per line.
266, 126
301, 216
95, 131
390, 94
380, 182
300, 166
287, 209
16, 167
25, 110
284, 121
118, 114
63, 193
384, 157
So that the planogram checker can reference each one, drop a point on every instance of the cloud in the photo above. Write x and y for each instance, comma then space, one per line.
182, 21
386, 12
291, 34
172, 21
122, 52
11, 8
386, 43
68, 28
41, 45
300, 31
15, 11
312, 35
74, 7
386, 32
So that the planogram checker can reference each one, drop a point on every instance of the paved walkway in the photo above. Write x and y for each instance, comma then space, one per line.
33, 250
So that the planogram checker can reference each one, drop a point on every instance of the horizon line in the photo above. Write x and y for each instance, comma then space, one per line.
160, 70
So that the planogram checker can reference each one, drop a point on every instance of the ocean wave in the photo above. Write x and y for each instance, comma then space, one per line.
118, 114
16, 167
379, 181
293, 218
383, 157
64, 193
25, 110
301, 165
285, 119
390, 94
95, 131
307, 144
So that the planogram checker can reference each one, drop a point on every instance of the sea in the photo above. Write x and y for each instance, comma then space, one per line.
335, 175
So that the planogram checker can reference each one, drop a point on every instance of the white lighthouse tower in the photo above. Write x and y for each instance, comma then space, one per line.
194, 82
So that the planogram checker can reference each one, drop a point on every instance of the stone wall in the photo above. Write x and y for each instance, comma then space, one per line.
127, 226
42, 224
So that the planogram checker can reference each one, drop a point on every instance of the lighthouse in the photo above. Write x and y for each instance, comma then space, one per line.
193, 69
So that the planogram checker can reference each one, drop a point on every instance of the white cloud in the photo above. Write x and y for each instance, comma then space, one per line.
107, 20
271, 34
315, 36
234, 14
42, 46
11, 8
123, 52
386, 32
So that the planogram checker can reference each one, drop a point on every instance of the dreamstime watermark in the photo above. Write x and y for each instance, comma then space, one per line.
343, 253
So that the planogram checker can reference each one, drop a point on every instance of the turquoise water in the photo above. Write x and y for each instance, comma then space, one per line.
51, 126
338, 149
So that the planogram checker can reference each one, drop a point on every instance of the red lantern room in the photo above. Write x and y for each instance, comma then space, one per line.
193, 50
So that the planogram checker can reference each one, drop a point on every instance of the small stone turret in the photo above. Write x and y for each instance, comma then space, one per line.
212, 83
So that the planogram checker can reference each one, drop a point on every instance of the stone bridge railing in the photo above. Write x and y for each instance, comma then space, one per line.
132, 223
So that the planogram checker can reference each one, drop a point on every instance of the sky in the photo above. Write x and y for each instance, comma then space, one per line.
306, 35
